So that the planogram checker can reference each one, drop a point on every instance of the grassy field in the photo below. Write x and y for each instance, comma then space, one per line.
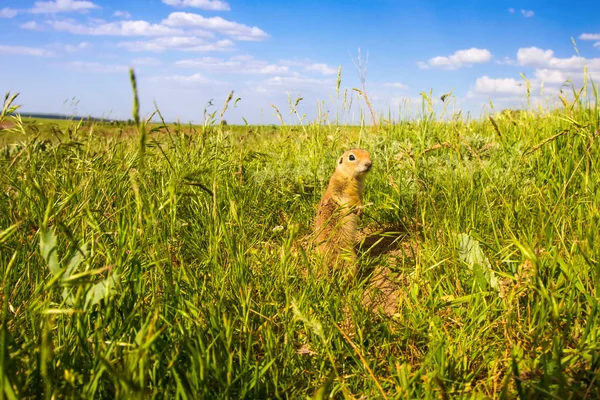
176, 262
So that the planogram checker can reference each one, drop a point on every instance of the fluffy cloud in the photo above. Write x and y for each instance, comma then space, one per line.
145, 61
187, 80
527, 13
396, 85
71, 48
535, 57
553, 70
53, 7
122, 14
321, 68
221, 45
8, 13
589, 36
31, 25
310, 66
25, 51
121, 28
177, 24
296, 62
184, 43
531, 56
201, 33
214, 5
502, 87
506, 61
297, 82
551, 76
162, 44
294, 83
461, 58
235, 30
237, 64
246, 64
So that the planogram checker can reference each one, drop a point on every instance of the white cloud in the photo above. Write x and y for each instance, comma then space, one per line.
162, 44
461, 58
295, 62
213, 5
322, 68
95, 67
511, 10
221, 45
396, 85
535, 57
553, 70
273, 69
31, 25
503, 87
71, 48
185, 43
506, 61
201, 33
195, 79
527, 13
146, 61
597, 44
551, 76
25, 51
8, 12
293, 84
237, 64
122, 14
589, 36
121, 28
236, 30
297, 82
53, 7
308, 65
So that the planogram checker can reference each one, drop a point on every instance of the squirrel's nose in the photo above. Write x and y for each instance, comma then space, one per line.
368, 164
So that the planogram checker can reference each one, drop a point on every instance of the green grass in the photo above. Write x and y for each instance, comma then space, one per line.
182, 266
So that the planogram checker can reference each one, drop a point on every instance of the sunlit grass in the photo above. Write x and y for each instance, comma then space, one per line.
191, 277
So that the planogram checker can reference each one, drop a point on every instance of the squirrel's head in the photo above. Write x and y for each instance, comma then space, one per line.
355, 162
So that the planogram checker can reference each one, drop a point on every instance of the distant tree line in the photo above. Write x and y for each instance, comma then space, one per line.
103, 121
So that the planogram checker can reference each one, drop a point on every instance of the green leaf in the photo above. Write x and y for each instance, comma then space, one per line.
471, 253
66, 295
48, 249
101, 290
75, 261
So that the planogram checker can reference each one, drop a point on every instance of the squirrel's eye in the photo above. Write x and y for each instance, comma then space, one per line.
351, 157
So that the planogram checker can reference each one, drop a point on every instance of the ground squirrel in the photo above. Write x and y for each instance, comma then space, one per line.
341, 205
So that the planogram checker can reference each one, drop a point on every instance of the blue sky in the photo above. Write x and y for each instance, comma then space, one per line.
70, 56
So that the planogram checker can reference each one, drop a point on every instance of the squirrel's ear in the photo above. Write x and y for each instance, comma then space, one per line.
341, 160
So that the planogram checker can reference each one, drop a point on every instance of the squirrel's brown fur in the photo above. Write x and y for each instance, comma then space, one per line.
336, 225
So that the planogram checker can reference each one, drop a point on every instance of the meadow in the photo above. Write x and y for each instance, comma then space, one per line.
174, 261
